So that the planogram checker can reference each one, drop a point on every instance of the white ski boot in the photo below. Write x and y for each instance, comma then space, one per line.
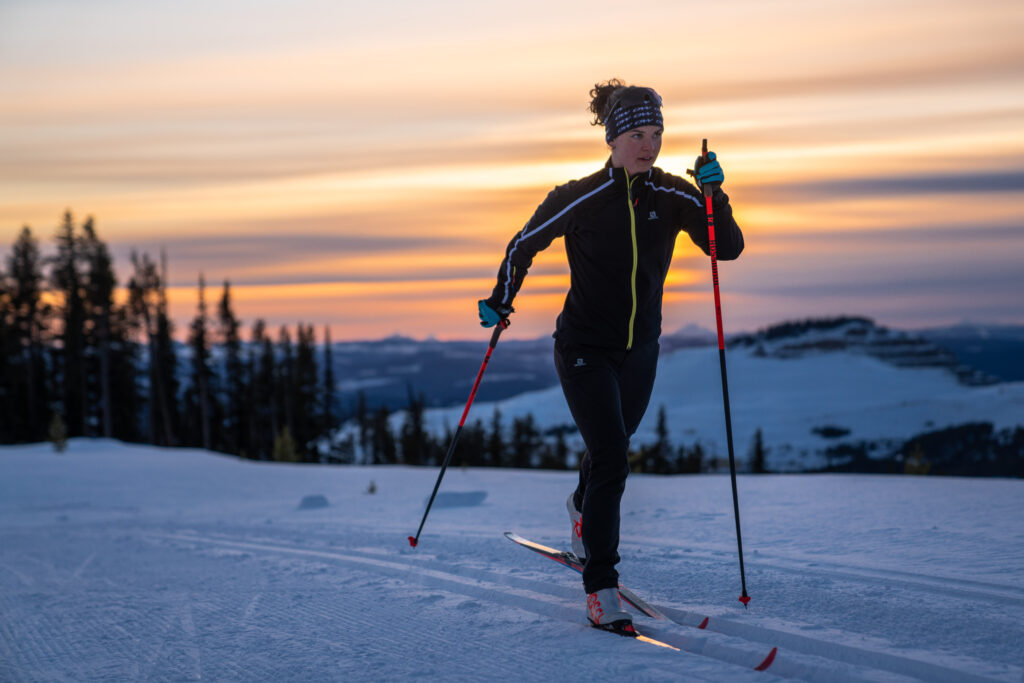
604, 610
576, 529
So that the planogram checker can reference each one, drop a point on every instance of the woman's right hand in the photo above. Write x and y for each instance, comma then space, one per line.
489, 317
708, 171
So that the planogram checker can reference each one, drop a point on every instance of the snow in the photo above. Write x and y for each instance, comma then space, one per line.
787, 399
122, 562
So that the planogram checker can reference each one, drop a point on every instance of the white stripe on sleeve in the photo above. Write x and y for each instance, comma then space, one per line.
525, 235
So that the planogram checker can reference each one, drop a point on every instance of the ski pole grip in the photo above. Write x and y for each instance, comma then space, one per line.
704, 155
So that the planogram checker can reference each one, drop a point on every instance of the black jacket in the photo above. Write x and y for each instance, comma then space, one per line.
619, 235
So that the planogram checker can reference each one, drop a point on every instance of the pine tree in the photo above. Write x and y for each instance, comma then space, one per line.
691, 461
552, 456
413, 437
383, 450
469, 452
284, 385
526, 441
148, 302
201, 395
496, 442
656, 456
264, 410
167, 358
66, 279
235, 433
561, 451
10, 362
126, 373
329, 399
100, 283
758, 454
24, 341
251, 415
307, 411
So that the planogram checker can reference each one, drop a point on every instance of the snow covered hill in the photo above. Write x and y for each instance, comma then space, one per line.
386, 370
798, 402
136, 563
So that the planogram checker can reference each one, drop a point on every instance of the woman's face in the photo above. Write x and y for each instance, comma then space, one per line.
636, 150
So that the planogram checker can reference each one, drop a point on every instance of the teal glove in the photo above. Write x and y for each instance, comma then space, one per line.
708, 171
489, 317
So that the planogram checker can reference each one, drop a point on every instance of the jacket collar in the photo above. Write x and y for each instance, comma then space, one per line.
620, 173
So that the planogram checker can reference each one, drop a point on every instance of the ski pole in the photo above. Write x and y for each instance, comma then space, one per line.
745, 599
414, 540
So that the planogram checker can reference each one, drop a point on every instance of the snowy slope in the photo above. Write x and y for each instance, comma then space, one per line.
787, 399
135, 563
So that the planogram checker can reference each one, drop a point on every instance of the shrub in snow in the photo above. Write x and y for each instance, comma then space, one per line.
57, 434
284, 447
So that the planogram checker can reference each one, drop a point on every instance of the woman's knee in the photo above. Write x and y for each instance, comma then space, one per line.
610, 466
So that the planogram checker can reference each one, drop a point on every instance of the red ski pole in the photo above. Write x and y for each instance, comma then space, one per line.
708, 189
414, 540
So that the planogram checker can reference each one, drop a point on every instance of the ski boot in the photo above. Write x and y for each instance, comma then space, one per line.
576, 530
604, 610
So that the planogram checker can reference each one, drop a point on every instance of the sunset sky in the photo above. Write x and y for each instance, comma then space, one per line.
363, 165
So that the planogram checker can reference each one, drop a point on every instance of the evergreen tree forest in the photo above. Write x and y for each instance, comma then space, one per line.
83, 355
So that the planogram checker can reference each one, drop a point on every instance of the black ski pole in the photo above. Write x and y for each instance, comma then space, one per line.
745, 599
414, 540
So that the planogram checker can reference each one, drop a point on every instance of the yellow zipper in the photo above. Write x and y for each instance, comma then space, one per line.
632, 233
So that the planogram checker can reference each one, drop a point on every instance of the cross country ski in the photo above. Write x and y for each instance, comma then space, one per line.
570, 560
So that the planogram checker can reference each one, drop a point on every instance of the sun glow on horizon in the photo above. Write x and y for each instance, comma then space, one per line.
298, 153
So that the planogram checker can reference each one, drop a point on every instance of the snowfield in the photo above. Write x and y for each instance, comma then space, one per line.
787, 399
123, 562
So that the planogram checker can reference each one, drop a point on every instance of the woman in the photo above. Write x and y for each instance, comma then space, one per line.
620, 226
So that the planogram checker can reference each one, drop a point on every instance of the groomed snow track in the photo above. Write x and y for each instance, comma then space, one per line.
728, 640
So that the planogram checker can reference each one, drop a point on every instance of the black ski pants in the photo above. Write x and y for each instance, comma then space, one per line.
607, 392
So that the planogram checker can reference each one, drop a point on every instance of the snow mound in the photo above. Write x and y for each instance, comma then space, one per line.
314, 502
459, 499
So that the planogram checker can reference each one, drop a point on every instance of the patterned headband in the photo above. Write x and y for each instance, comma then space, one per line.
630, 108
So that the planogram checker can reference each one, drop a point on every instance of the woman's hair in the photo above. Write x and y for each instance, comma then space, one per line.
600, 95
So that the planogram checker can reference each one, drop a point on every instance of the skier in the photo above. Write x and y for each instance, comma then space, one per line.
620, 226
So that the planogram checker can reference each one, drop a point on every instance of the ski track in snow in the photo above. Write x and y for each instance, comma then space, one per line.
203, 568
533, 595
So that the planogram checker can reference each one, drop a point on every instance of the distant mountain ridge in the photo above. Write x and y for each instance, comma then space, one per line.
387, 370
995, 349
864, 336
